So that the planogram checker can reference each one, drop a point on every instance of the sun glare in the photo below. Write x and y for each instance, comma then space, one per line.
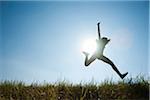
89, 46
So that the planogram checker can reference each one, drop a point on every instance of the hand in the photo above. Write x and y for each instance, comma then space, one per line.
85, 53
98, 23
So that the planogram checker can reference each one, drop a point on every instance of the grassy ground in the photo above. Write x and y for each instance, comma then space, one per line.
132, 88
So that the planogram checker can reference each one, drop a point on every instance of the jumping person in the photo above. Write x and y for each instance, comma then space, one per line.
98, 54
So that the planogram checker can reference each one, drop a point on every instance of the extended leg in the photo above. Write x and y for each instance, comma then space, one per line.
88, 61
105, 59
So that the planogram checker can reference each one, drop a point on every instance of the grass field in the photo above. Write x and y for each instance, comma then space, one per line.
131, 88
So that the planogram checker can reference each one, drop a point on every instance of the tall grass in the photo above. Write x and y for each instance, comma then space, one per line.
131, 88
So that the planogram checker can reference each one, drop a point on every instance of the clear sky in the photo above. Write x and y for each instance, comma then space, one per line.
43, 40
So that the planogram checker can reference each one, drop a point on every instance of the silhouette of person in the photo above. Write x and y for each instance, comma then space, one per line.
98, 54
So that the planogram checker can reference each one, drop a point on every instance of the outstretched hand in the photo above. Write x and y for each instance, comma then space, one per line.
85, 53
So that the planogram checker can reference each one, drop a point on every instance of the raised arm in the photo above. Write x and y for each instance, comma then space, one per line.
99, 35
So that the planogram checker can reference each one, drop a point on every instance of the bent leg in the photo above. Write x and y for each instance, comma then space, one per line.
88, 62
108, 61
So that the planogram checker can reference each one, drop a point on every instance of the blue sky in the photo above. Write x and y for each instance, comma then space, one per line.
43, 40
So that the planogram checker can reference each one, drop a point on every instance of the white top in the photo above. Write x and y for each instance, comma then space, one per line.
100, 46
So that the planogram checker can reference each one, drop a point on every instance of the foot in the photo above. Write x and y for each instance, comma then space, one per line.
123, 75
85, 53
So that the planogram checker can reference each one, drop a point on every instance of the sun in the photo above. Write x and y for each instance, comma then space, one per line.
89, 46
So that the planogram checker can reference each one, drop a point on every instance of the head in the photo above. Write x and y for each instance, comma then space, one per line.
105, 40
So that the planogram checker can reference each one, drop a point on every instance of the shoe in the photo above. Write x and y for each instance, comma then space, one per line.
123, 75
85, 53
